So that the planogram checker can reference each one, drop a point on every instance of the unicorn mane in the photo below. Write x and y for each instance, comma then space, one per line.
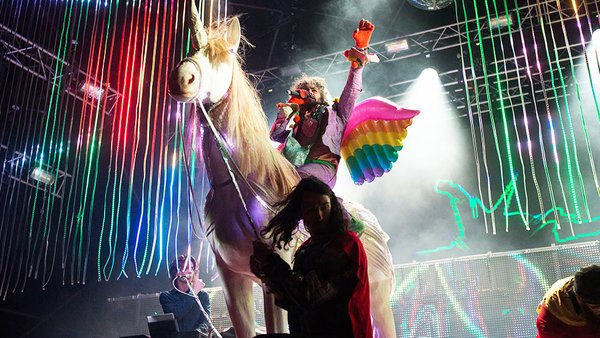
241, 118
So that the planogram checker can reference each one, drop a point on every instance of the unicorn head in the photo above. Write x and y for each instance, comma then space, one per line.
206, 75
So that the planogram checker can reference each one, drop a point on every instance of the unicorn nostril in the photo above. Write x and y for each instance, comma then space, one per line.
191, 79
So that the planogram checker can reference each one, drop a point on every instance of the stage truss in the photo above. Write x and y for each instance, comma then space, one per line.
450, 38
45, 64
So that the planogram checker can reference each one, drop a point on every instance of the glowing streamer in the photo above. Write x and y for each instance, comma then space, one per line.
547, 106
569, 125
157, 238
578, 92
590, 78
133, 151
504, 120
474, 204
101, 269
54, 159
537, 114
480, 120
74, 235
472, 125
122, 132
524, 110
143, 62
539, 221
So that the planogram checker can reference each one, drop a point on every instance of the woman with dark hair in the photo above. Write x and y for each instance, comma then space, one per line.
327, 291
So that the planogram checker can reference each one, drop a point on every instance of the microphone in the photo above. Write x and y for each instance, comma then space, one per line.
184, 277
302, 96
300, 93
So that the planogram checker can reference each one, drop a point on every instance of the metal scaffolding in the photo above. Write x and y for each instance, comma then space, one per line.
42, 64
451, 38
19, 166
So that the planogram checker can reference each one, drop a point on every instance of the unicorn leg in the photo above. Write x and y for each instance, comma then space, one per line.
381, 311
275, 317
237, 290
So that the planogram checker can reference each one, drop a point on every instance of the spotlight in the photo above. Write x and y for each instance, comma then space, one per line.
397, 46
91, 90
42, 176
596, 38
429, 72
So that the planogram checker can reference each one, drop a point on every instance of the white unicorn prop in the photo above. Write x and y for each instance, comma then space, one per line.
243, 169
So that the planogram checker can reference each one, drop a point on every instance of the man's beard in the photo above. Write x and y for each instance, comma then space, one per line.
593, 320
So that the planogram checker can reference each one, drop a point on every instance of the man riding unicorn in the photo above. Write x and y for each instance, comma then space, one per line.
310, 126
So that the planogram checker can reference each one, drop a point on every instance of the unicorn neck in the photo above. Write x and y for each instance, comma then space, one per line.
216, 149
243, 124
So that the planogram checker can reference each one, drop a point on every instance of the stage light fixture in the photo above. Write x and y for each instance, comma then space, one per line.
431, 5
429, 73
42, 176
397, 46
91, 90
502, 21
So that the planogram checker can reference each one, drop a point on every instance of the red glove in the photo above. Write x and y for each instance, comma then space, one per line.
358, 55
362, 35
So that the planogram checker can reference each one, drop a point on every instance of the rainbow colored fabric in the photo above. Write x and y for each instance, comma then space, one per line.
373, 136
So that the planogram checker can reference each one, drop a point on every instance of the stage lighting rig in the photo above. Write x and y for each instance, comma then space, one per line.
502, 21
397, 46
42, 176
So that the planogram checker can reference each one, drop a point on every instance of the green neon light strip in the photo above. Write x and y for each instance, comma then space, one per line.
101, 268
539, 221
471, 121
143, 61
525, 113
579, 103
490, 107
549, 113
507, 138
571, 135
537, 113
48, 133
480, 120
474, 203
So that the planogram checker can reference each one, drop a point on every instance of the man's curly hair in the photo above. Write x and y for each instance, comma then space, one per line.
305, 81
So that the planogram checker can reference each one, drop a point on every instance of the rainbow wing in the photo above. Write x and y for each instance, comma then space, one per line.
373, 136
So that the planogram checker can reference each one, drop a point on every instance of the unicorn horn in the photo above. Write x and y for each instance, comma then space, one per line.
199, 37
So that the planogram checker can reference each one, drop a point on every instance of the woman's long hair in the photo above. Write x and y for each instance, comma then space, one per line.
285, 223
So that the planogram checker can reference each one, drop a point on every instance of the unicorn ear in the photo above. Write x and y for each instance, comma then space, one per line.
199, 37
234, 34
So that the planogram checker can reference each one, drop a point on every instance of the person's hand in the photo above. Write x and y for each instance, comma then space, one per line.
197, 284
359, 56
286, 109
259, 258
362, 35
261, 251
